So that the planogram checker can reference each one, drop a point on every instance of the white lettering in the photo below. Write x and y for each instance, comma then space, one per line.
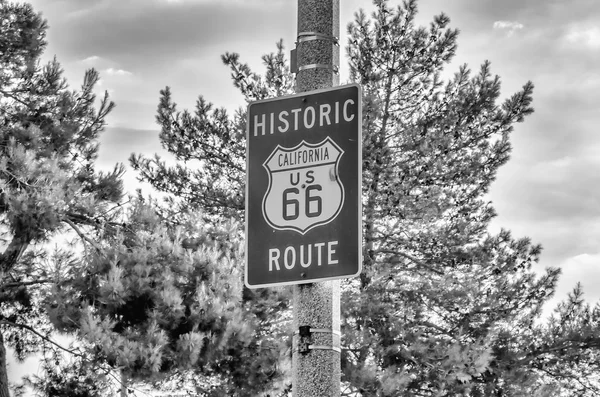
274, 259
291, 250
346, 110
318, 246
312, 121
331, 252
296, 111
284, 121
308, 255
324, 114
257, 124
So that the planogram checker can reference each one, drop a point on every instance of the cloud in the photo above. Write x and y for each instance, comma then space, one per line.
97, 62
556, 201
117, 144
565, 171
253, 3
108, 67
583, 36
77, 8
581, 268
509, 26
585, 260
117, 72
91, 59
131, 33
565, 188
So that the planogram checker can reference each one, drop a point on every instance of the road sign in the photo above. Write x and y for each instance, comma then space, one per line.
303, 188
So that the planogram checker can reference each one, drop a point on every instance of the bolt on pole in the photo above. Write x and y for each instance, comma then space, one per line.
316, 343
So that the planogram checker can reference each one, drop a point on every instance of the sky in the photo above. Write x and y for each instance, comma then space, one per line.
549, 190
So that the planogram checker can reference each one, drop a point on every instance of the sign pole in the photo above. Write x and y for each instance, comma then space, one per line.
316, 306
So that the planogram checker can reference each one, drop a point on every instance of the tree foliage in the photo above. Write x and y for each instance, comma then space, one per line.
145, 290
209, 137
161, 298
443, 307
213, 144
48, 181
64, 374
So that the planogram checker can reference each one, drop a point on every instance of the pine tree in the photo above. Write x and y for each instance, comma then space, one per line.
216, 190
161, 297
67, 375
48, 184
456, 307
442, 307
146, 291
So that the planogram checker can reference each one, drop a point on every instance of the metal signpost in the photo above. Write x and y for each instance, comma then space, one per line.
303, 197
303, 188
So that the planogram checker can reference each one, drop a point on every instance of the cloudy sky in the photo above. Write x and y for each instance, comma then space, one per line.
549, 191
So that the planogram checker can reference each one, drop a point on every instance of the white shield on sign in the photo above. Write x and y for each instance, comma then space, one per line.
304, 188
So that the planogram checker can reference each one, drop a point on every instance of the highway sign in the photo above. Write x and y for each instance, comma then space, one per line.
303, 188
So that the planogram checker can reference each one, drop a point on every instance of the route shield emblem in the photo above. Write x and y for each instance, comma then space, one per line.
304, 188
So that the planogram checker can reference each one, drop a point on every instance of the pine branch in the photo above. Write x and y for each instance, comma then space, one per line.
411, 258
10, 95
82, 235
566, 344
14, 177
43, 337
25, 283
13, 253
80, 219
576, 378
119, 205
